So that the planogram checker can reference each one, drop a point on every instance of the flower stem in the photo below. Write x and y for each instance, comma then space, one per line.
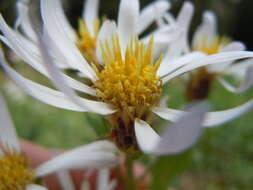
130, 185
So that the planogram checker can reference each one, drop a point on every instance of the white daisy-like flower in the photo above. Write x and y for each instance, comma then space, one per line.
207, 40
14, 165
125, 86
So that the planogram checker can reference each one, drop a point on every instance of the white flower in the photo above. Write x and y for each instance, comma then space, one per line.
95, 155
127, 83
207, 40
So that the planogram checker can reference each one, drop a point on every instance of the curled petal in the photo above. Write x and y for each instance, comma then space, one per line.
183, 134
152, 12
212, 119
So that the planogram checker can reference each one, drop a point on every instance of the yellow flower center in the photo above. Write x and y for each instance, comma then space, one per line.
86, 42
211, 47
15, 172
129, 83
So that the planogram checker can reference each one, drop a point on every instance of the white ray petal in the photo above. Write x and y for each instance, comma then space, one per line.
65, 180
127, 21
29, 52
234, 46
208, 60
103, 179
239, 70
175, 139
107, 31
151, 13
146, 137
35, 187
55, 25
167, 65
207, 30
50, 96
8, 135
212, 119
90, 14
95, 155
185, 15
183, 21
245, 85
24, 20
59, 81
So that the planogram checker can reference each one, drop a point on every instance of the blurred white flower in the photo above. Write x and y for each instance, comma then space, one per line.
125, 86
16, 173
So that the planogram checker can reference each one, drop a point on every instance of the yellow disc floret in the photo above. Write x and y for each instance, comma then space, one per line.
86, 42
129, 82
211, 47
14, 172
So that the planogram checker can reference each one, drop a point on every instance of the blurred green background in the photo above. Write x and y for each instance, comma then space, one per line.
223, 160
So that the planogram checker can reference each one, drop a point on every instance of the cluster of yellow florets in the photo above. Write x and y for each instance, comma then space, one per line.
211, 47
14, 172
128, 82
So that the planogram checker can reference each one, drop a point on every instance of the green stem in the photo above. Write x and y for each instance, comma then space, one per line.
130, 185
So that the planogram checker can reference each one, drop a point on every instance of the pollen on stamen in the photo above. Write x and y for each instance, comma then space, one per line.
86, 42
129, 82
211, 47
14, 171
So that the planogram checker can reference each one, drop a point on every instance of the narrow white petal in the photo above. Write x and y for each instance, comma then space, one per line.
207, 30
24, 20
57, 13
50, 96
167, 65
146, 137
234, 46
90, 14
208, 60
245, 85
220, 117
128, 21
35, 187
175, 139
8, 135
107, 31
185, 15
103, 179
29, 52
95, 155
65, 180
151, 13
58, 79
55, 25
239, 70
212, 118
